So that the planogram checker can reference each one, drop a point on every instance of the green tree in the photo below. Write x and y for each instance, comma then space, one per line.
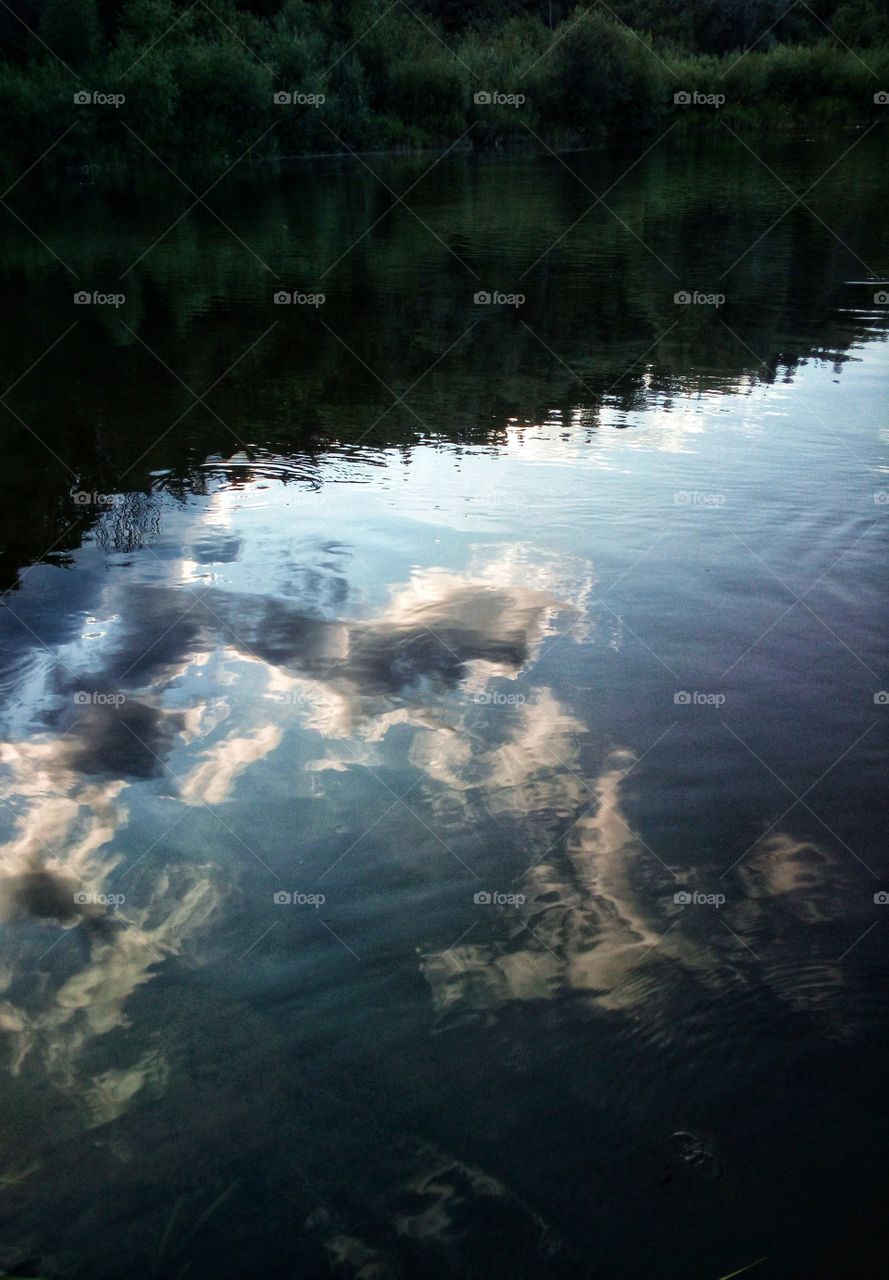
71, 29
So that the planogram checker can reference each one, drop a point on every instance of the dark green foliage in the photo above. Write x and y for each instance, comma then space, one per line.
224, 97
70, 28
599, 77
200, 80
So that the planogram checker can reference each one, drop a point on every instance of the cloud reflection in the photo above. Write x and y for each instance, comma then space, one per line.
599, 923
216, 679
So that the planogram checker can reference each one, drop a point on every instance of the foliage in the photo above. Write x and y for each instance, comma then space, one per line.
200, 80
70, 28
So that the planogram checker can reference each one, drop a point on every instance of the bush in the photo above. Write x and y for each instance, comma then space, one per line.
224, 102
431, 94
598, 77
798, 75
861, 24
200, 84
36, 108
70, 28
152, 93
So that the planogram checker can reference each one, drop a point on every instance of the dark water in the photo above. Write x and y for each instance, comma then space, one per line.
482, 632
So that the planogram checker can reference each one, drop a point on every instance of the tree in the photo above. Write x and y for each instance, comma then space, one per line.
71, 29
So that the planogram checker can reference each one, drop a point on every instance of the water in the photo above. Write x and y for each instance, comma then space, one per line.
478, 633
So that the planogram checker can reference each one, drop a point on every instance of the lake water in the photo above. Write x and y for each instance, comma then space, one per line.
444, 742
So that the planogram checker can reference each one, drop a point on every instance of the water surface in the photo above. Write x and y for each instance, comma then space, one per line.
444, 742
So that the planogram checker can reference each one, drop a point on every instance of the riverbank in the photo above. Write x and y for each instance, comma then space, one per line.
202, 92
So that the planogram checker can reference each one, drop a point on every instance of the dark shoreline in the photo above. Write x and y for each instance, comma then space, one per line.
128, 169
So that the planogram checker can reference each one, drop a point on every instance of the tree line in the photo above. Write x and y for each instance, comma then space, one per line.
202, 79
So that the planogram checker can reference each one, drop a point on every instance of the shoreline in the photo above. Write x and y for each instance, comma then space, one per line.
128, 168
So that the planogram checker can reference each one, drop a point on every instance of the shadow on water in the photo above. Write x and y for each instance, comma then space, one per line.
199, 363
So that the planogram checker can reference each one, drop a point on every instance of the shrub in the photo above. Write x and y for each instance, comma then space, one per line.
431, 94
225, 99
597, 77
70, 28
199, 81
